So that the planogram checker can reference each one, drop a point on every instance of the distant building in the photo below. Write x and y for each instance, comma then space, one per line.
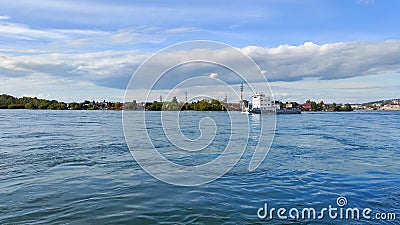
356, 106
306, 106
233, 107
141, 105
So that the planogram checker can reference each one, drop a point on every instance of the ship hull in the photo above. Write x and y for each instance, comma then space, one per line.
259, 111
278, 111
288, 111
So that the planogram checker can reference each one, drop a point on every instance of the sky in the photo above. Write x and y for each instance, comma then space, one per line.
331, 50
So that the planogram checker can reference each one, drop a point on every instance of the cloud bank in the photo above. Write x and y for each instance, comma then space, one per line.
283, 63
328, 61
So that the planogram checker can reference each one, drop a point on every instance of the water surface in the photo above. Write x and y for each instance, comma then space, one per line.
74, 167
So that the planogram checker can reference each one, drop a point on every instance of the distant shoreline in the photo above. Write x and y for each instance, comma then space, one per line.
119, 110
33, 103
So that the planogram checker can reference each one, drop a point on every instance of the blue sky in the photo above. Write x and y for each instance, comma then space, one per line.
75, 50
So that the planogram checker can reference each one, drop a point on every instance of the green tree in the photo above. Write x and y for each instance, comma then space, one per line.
29, 105
16, 106
314, 106
155, 106
43, 105
117, 105
204, 105
347, 107
321, 106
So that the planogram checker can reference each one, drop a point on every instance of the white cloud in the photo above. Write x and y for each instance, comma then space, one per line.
20, 30
59, 37
328, 61
182, 30
213, 75
283, 63
52, 87
233, 26
109, 68
264, 72
142, 35
132, 12
365, 1
67, 40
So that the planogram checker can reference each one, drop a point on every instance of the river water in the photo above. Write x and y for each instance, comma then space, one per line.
74, 167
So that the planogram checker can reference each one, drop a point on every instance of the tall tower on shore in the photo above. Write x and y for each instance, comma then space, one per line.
185, 96
241, 92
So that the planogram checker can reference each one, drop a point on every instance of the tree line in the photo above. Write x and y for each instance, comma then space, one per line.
200, 105
321, 106
10, 102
